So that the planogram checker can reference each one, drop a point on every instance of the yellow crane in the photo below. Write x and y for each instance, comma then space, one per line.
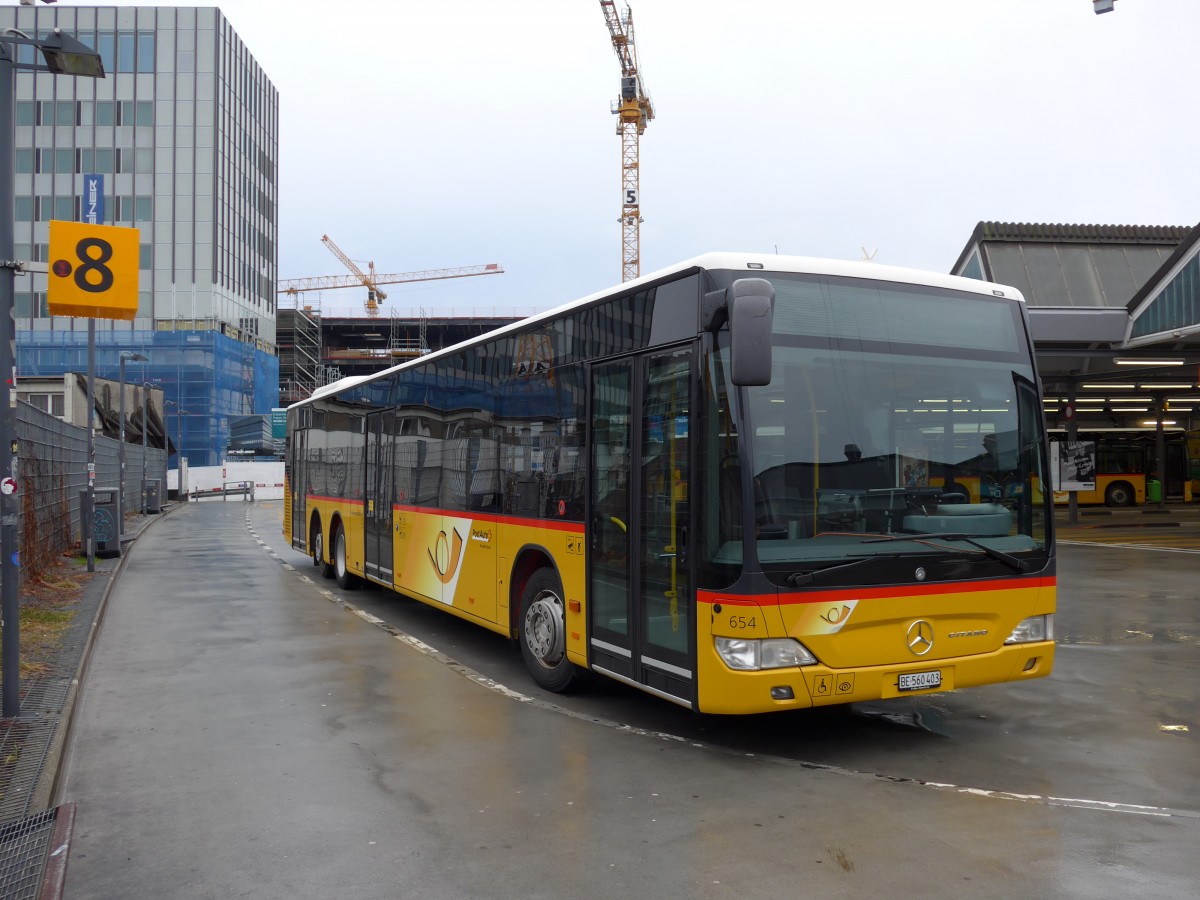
374, 294
372, 281
634, 110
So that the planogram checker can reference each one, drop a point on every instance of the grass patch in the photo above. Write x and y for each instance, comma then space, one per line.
49, 604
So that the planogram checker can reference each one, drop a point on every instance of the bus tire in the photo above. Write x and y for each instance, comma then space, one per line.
318, 552
542, 632
1119, 493
346, 580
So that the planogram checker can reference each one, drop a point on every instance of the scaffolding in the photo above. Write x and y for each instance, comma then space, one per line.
400, 346
206, 377
298, 332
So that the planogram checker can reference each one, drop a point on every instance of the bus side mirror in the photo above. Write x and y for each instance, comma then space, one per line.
751, 307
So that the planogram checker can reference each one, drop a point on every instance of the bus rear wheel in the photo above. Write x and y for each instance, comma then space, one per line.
344, 577
318, 553
1119, 493
543, 632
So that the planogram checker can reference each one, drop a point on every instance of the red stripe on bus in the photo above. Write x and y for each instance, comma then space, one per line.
882, 593
553, 524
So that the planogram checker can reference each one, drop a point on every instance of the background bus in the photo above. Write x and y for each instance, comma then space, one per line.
730, 484
1126, 460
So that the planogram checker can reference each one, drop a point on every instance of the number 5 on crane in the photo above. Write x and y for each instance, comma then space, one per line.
93, 271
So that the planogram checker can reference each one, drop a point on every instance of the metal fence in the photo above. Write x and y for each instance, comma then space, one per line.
52, 473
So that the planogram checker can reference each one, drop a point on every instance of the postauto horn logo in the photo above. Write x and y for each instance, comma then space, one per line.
446, 555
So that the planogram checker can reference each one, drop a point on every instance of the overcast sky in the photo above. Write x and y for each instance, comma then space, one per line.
459, 132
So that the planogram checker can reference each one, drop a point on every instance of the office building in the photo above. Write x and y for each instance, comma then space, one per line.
182, 139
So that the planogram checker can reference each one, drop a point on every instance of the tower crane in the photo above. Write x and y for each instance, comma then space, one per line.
374, 294
634, 110
372, 281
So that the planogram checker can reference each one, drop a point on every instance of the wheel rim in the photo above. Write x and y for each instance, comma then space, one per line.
545, 628
318, 548
339, 544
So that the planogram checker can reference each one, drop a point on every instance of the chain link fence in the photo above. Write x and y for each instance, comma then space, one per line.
52, 473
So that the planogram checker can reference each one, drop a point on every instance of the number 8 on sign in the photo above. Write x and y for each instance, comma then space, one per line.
93, 271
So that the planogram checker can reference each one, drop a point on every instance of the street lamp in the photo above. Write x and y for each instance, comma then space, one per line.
63, 55
179, 413
146, 387
126, 355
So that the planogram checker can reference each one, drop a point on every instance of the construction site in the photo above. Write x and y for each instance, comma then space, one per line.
317, 346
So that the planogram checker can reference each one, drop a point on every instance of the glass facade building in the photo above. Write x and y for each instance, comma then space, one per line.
184, 134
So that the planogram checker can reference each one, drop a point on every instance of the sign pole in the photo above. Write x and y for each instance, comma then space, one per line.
10, 571
89, 535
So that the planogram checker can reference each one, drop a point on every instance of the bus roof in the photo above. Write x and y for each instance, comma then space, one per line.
751, 263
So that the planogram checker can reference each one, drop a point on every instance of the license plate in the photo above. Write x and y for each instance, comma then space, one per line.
919, 681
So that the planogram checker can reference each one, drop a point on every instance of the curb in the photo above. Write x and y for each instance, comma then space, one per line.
47, 793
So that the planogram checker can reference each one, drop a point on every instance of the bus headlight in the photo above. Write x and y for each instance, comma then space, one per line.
1035, 628
771, 653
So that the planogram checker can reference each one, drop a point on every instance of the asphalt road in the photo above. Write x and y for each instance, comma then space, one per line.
249, 729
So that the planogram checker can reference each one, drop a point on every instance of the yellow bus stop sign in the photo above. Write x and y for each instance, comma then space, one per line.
93, 271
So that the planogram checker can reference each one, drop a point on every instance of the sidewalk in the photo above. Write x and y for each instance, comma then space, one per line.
1171, 514
31, 744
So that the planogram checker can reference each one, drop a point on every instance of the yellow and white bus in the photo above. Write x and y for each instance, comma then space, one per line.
730, 483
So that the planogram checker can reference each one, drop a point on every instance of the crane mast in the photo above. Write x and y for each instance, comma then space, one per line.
634, 110
374, 294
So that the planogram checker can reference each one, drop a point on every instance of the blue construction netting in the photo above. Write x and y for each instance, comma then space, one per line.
205, 376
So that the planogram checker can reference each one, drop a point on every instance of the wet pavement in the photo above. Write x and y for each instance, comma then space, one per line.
248, 729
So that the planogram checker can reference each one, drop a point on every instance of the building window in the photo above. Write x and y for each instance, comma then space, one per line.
26, 112
23, 211
23, 161
52, 404
108, 53
134, 209
104, 109
145, 53
126, 58
144, 112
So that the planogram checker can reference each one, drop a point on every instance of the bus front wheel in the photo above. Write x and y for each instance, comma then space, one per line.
1119, 493
543, 632
345, 579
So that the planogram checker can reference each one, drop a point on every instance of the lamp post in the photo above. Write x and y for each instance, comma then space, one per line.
63, 55
146, 386
126, 355
179, 411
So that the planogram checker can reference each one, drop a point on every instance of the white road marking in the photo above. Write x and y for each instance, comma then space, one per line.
505, 691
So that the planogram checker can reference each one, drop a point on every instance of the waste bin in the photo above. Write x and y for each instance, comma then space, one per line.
153, 501
1153, 491
106, 518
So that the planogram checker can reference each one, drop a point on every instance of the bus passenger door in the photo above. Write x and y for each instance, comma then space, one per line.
377, 511
298, 488
640, 602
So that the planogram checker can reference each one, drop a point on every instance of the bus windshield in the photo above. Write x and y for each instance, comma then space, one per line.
901, 425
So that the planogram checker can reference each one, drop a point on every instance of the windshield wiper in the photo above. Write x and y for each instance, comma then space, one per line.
1013, 562
809, 576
